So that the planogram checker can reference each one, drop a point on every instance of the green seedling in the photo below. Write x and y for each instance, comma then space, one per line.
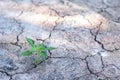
40, 50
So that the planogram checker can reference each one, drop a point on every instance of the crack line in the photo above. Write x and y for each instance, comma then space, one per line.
95, 38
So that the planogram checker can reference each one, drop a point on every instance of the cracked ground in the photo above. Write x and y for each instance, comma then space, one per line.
85, 32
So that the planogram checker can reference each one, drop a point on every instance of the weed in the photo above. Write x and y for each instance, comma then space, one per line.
40, 50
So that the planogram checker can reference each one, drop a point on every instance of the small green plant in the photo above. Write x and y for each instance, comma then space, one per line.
40, 50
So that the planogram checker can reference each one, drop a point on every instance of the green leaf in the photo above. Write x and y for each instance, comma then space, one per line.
27, 53
31, 42
33, 49
41, 47
51, 48
44, 55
